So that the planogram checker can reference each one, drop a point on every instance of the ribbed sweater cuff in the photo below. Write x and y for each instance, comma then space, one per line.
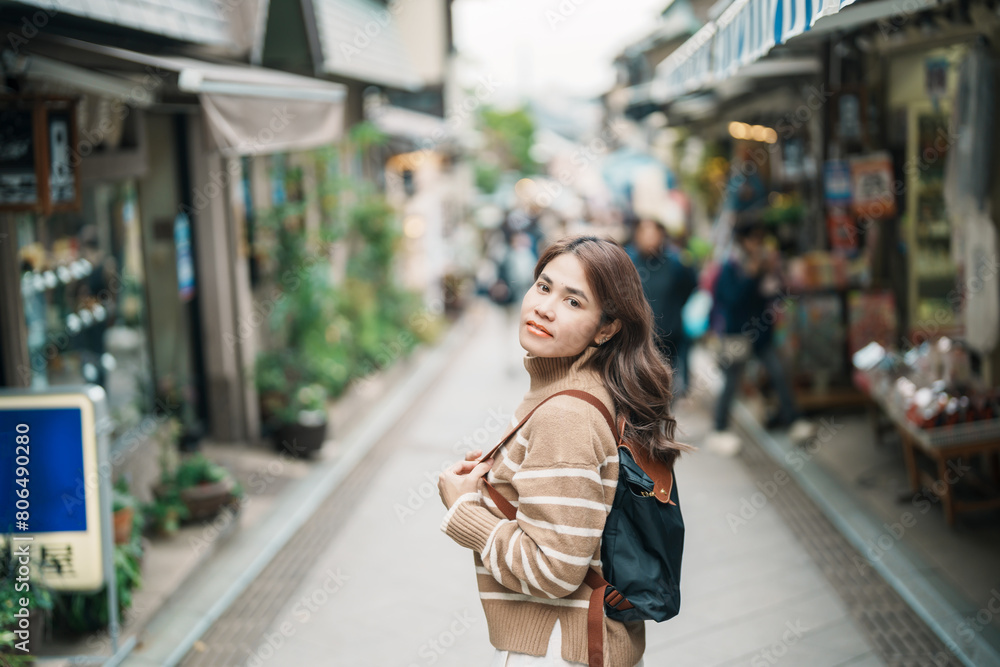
474, 497
470, 525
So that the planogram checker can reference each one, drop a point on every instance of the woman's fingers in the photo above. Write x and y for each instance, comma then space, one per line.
462, 467
481, 468
474, 455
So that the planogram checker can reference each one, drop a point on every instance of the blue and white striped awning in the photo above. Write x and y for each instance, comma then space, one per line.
745, 32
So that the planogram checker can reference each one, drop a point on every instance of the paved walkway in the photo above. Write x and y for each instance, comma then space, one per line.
391, 590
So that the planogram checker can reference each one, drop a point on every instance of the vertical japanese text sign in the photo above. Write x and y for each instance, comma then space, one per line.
55, 496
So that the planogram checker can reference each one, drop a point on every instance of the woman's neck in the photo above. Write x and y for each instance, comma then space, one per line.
557, 373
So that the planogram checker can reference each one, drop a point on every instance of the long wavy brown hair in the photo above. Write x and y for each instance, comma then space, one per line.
634, 372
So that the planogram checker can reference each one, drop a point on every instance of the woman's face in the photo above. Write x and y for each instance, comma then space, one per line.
560, 315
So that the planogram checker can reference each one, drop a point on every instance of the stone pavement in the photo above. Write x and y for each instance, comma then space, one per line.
378, 584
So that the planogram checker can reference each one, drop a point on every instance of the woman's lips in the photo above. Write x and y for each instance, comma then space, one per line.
538, 330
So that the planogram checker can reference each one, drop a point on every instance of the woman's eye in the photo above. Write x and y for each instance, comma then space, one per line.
574, 303
543, 287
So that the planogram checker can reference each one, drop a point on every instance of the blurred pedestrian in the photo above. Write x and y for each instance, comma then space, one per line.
747, 295
585, 325
668, 280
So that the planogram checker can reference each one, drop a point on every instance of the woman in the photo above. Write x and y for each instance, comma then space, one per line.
585, 325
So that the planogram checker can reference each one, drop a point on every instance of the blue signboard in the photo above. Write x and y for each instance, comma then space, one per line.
54, 458
837, 183
185, 263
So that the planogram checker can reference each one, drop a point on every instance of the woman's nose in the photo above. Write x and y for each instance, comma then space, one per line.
544, 308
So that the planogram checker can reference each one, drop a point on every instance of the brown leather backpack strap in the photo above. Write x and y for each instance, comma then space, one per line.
502, 503
590, 398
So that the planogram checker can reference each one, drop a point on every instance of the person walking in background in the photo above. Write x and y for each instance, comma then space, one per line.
746, 294
516, 271
586, 326
667, 281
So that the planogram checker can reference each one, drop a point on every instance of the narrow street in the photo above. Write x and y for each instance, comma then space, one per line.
371, 581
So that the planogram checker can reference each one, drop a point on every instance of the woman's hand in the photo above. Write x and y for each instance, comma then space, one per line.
461, 478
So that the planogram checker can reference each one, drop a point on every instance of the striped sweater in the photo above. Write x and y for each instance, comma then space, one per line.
560, 471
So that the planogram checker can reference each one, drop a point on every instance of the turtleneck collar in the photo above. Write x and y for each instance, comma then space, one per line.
550, 371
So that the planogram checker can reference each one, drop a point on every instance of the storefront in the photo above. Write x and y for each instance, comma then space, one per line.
894, 279
135, 283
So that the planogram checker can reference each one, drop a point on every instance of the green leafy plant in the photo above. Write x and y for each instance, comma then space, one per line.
289, 386
199, 469
121, 497
77, 613
322, 332
165, 512
37, 596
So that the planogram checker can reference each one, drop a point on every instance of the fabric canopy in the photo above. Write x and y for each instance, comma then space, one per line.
745, 32
249, 110
241, 125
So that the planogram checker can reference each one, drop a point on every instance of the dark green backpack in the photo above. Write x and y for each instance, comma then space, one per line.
642, 543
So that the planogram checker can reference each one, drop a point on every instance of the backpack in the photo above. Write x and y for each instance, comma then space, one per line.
642, 543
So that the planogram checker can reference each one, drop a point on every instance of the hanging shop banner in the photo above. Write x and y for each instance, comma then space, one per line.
871, 316
872, 188
841, 229
55, 503
37, 167
837, 182
18, 158
185, 263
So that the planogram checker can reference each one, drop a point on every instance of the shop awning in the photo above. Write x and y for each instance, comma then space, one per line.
198, 21
359, 40
248, 109
421, 128
744, 33
689, 67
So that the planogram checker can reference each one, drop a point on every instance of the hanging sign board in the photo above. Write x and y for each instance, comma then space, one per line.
38, 167
55, 501
872, 186
185, 261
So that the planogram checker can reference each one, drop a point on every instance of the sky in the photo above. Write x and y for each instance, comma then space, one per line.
550, 48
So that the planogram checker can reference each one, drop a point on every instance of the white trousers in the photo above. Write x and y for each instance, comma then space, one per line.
552, 658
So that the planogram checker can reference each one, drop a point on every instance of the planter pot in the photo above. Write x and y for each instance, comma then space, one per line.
205, 500
168, 525
300, 440
123, 525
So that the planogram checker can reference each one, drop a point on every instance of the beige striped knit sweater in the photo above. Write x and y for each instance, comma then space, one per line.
560, 471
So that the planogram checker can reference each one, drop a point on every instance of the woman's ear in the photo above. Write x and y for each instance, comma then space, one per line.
605, 333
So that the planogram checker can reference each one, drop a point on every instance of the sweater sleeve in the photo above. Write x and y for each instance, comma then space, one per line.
561, 501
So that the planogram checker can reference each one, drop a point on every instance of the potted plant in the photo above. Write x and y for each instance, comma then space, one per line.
303, 421
165, 513
82, 613
293, 404
204, 487
39, 607
124, 505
